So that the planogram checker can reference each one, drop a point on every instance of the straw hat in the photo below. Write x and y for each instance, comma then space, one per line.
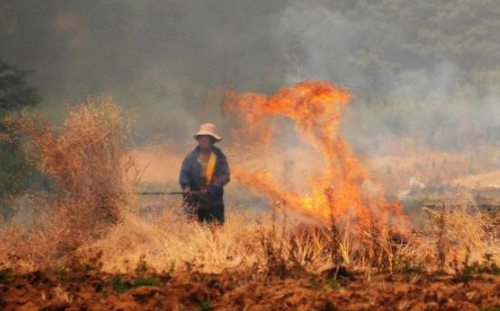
208, 129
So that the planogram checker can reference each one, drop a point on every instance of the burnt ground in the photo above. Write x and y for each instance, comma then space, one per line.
88, 289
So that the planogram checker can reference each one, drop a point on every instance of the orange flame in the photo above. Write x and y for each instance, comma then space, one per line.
316, 107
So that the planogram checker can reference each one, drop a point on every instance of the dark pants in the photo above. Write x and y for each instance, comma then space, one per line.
202, 208
208, 215
211, 215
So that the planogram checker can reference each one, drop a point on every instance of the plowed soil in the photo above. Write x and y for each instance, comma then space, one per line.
93, 290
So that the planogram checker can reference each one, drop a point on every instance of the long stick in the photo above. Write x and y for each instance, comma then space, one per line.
166, 193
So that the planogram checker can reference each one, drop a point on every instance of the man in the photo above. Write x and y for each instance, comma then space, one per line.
204, 173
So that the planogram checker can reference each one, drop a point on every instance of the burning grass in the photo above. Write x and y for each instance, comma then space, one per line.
148, 260
265, 245
315, 108
93, 222
94, 211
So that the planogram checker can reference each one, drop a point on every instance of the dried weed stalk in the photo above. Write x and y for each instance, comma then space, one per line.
86, 160
458, 236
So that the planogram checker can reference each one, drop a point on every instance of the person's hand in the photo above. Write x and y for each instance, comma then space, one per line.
187, 190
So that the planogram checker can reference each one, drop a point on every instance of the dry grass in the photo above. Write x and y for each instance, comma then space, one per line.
172, 241
436, 168
85, 159
456, 237
265, 243
94, 214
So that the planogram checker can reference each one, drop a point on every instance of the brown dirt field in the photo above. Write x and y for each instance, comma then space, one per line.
92, 290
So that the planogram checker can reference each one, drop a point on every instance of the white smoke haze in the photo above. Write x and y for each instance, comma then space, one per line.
321, 44
172, 61
325, 44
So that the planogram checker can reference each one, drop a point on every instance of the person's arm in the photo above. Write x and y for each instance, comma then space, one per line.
223, 174
184, 175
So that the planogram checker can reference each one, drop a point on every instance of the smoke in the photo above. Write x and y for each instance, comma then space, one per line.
165, 58
318, 42
172, 62
398, 97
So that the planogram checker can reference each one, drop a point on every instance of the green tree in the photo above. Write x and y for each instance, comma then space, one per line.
405, 35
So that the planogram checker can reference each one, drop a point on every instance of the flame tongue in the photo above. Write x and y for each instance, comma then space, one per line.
316, 107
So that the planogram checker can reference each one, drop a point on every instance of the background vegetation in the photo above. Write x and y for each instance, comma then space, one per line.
15, 173
420, 69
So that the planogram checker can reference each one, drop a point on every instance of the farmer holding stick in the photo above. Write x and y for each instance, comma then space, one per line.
204, 173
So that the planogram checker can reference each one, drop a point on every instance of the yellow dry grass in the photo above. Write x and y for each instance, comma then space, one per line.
172, 241
486, 179
94, 212
456, 238
435, 168
85, 160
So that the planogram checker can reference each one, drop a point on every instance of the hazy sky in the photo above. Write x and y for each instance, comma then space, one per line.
173, 60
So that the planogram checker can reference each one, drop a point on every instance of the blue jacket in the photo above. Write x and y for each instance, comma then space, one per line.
191, 172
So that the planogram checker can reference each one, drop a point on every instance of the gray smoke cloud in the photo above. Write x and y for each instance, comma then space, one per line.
165, 58
430, 101
173, 60
318, 43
